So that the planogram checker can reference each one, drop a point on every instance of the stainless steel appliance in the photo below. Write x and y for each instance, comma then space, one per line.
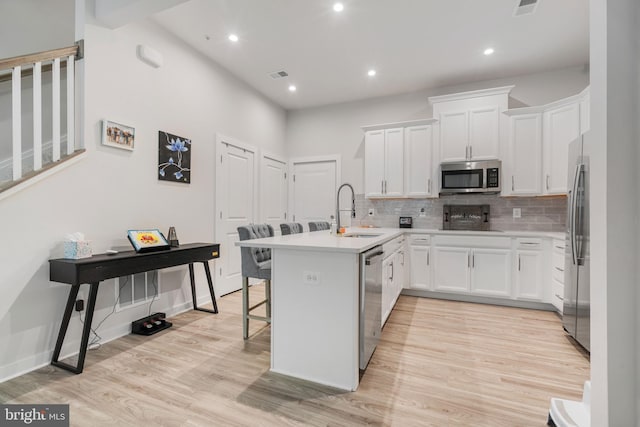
466, 217
576, 312
470, 177
370, 302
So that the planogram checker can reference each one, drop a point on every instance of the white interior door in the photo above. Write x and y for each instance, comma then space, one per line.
313, 195
273, 192
235, 205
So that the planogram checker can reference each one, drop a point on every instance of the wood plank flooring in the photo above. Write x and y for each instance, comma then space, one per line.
439, 363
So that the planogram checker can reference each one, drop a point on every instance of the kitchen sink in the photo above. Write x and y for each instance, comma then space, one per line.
361, 235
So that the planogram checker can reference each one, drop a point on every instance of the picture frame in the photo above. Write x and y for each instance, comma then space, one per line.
174, 158
147, 240
118, 135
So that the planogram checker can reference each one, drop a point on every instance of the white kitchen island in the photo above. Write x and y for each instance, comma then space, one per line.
315, 303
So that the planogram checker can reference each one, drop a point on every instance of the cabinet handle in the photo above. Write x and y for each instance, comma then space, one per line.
402, 253
559, 269
382, 187
468, 260
466, 152
512, 183
429, 186
391, 265
470, 152
547, 182
428, 258
518, 262
473, 261
559, 297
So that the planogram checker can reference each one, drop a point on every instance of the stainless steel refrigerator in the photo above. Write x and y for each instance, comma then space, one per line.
576, 313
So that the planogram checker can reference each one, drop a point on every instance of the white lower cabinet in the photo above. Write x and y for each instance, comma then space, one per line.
420, 269
529, 272
451, 269
392, 275
387, 287
557, 274
491, 272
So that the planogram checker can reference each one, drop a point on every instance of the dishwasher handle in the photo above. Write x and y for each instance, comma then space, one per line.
369, 257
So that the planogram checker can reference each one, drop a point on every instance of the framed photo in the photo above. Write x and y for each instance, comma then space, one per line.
118, 135
174, 158
147, 240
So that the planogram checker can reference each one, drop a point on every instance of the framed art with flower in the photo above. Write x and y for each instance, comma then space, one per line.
174, 158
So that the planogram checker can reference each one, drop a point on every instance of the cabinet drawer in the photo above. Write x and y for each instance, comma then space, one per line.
557, 295
420, 239
473, 241
558, 246
558, 267
528, 243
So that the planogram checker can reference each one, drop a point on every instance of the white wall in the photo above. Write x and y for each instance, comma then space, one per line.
615, 199
336, 129
28, 26
113, 190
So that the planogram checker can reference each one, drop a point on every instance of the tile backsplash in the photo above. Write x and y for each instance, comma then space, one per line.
537, 213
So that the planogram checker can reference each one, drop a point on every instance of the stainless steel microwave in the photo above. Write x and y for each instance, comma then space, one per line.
470, 177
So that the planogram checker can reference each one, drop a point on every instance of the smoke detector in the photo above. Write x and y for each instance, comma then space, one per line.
525, 7
278, 74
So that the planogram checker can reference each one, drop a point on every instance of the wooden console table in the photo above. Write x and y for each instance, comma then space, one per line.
92, 271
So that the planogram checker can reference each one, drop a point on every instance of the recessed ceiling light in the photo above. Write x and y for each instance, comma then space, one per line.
338, 7
488, 51
371, 73
292, 88
234, 38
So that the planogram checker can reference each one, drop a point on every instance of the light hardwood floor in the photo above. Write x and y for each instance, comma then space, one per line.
439, 363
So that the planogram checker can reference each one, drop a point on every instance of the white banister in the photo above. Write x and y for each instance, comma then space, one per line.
71, 104
55, 107
16, 103
37, 116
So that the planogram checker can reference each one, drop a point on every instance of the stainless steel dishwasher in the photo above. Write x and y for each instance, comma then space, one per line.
370, 302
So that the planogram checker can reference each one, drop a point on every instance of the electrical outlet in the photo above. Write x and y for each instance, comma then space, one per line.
311, 277
422, 213
372, 212
517, 212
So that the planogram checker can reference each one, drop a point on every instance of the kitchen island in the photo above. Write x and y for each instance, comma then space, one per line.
315, 303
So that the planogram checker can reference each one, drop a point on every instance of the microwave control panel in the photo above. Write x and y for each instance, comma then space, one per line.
493, 177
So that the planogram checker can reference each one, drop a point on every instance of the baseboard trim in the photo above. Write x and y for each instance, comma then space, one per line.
533, 305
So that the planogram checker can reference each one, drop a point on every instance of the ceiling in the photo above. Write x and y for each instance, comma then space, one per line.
412, 44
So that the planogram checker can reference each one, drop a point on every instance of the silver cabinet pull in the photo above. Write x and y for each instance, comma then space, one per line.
382, 187
558, 268
519, 263
429, 186
547, 182
470, 152
468, 260
559, 297
428, 257
473, 261
512, 183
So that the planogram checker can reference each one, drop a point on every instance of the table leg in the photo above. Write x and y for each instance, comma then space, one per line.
193, 289
86, 330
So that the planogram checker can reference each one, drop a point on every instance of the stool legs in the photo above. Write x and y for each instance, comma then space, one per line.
245, 307
267, 297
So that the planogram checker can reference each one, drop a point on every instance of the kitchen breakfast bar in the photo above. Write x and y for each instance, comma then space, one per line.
315, 296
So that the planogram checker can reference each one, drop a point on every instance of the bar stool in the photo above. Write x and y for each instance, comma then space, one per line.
291, 228
256, 263
319, 225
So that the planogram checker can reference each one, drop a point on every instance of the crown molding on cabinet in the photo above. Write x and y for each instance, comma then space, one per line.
543, 108
503, 90
405, 124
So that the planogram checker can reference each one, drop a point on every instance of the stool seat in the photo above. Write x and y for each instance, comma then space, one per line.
319, 225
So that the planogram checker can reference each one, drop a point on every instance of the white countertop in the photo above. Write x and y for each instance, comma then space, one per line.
323, 241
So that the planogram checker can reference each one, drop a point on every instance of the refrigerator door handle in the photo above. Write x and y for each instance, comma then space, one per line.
579, 221
572, 218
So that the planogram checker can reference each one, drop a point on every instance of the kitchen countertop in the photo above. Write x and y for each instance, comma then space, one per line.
323, 241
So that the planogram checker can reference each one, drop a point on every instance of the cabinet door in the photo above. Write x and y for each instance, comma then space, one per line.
491, 272
374, 152
529, 275
560, 126
394, 162
418, 143
451, 269
387, 287
525, 145
484, 133
454, 136
419, 272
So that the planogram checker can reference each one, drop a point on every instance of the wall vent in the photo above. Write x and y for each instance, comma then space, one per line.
525, 7
278, 74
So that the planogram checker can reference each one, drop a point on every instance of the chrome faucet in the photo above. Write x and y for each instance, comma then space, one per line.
353, 205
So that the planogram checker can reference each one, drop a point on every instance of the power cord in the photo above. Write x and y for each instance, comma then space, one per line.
155, 289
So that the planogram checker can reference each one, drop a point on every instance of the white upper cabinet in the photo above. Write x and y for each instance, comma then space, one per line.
398, 159
523, 170
469, 123
418, 143
561, 125
384, 163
